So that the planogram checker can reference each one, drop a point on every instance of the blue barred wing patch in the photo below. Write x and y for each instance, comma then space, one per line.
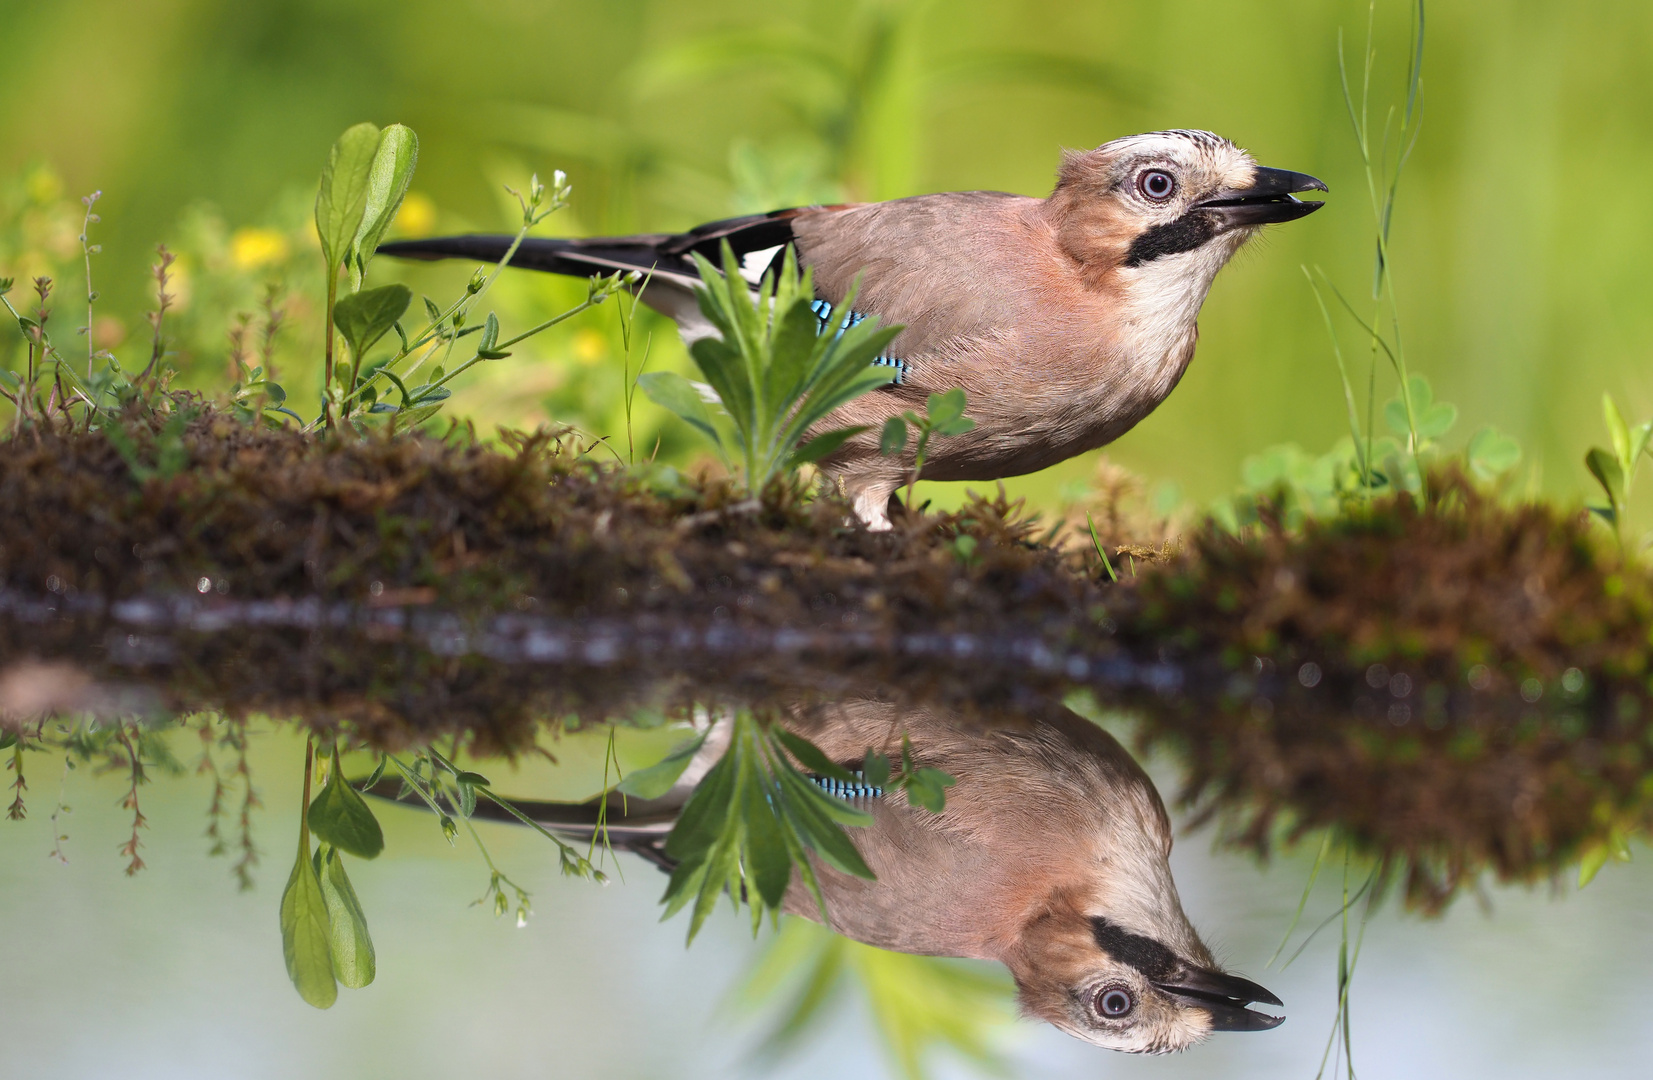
850, 792
823, 312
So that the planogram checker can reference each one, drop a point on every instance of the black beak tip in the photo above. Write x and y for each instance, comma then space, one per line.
1266, 997
1238, 1018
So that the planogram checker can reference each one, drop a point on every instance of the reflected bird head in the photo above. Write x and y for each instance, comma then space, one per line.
1125, 989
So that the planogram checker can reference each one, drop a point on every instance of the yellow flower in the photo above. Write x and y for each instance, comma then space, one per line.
251, 248
417, 216
44, 185
590, 345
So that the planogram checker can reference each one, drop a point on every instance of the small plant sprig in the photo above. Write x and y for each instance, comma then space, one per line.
87, 250
1615, 469
925, 787
752, 820
1383, 157
366, 177
324, 935
943, 415
773, 375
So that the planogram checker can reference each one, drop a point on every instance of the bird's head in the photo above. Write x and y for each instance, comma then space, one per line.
1168, 195
1137, 987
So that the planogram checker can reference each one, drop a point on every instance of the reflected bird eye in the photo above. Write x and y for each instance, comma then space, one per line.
1157, 184
1114, 1002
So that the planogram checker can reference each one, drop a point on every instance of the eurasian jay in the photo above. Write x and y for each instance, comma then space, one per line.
1065, 319
1051, 857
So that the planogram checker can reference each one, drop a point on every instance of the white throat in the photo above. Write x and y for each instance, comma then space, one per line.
1162, 309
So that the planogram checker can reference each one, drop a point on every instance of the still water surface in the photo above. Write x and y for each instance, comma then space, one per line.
174, 973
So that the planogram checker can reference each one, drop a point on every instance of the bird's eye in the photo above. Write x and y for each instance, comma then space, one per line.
1156, 184
1114, 1002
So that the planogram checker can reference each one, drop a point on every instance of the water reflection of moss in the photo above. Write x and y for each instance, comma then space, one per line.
1457, 687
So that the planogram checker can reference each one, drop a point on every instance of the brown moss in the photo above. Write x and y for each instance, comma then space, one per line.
1456, 687
413, 587
449, 531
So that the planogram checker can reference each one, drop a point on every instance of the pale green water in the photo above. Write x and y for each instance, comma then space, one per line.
174, 973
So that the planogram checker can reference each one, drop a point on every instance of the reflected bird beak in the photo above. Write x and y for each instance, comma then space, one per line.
1267, 201
1224, 996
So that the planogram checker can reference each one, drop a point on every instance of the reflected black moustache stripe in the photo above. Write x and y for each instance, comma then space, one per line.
1186, 233
1143, 953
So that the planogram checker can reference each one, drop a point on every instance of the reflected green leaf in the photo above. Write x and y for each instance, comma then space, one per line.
350, 945
305, 938
810, 757
340, 816
657, 779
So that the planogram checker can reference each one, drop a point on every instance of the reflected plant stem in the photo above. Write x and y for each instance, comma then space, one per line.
496, 876
1346, 961
59, 836
572, 861
610, 756
1314, 875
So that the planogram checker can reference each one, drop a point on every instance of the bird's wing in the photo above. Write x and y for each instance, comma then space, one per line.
757, 240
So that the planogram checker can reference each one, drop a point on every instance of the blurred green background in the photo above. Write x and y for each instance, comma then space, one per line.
1520, 257
1519, 245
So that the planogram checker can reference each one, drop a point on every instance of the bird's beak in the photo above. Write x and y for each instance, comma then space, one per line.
1223, 996
1268, 199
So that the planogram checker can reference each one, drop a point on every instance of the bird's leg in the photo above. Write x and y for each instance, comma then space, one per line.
871, 503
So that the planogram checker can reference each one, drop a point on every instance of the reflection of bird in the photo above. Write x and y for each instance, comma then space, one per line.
1051, 856
1066, 319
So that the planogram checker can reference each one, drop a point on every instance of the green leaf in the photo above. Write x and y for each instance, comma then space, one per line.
1492, 453
1641, 436
391, 171
467, 796
1434, 419
676, 394
1595, 857
1437, 420
340, 816
365, 317
342, 198
657, 779
823, 444
957, 426
350, 945
767, 863
412, 417
1605, 468
893, 439
928, 788
1618, 431
305, 938
876, 768
810, 757
945, 408
813, 811
703, 815
8, 739
377, 773
274, 394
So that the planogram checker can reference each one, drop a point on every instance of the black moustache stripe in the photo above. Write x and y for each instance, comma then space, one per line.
1143, 953
1186, 233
